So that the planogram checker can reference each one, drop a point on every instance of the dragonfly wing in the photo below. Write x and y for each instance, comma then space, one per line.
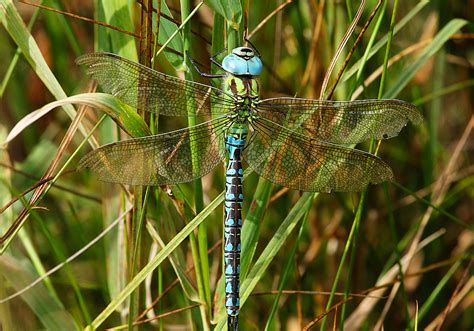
166, 158
287, 158
145, 88
340, 122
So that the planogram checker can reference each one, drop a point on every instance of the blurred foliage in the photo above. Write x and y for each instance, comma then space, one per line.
297, 44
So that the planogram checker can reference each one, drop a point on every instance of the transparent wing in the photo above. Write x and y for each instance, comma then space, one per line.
161, 159
298, 162
340, 122
148, 89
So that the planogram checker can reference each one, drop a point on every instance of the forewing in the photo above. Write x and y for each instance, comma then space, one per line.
340, 122
298, 162
153, 91
161, 159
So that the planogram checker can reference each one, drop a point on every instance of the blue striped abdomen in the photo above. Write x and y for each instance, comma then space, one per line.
235, 141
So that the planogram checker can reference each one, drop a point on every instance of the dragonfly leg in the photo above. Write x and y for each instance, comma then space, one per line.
213, 58
204, 74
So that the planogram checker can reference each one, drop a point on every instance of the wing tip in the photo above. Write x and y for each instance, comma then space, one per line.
88, 58
380, 172
412, 113
85, 59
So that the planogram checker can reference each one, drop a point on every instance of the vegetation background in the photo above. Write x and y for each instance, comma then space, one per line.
397, 256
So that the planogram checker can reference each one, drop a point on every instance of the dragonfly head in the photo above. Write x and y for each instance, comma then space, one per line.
242, 62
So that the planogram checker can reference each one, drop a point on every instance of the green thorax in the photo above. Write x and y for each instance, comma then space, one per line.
241, 86
246, 94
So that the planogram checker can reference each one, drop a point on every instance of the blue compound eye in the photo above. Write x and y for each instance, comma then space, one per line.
235, 65
255, 66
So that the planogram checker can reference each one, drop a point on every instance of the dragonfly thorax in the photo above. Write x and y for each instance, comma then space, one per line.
245, 92
242, 88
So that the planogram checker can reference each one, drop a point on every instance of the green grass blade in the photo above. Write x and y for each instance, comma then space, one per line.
218, 40
183, 24
349, 243
435, 293
438, 41
155, 262
179, 266
230, 10
117, 13
167, 29
14, 61
122, 114
199, 251
288, 266
16, 28
253, 221
367, 51
51, 313
381, 43
5, 186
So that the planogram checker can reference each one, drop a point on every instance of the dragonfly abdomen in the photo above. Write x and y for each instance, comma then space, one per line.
235, 142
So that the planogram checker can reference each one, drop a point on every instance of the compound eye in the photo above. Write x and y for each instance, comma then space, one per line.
234, 64
255, 66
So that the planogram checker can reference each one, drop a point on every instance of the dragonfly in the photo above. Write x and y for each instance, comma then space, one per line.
294, 142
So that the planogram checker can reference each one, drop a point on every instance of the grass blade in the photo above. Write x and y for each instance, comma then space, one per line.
438, 41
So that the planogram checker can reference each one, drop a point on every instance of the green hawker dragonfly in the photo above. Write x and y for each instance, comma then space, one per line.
292, 142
